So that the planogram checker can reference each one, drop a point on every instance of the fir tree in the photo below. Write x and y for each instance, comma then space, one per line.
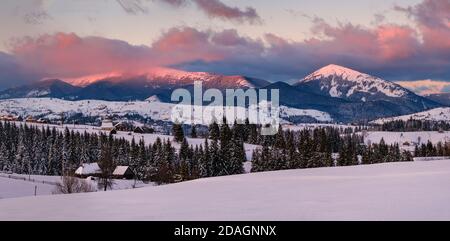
177, 132
193, 131
214, 131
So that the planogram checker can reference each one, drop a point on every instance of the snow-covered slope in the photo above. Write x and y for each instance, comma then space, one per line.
22, 185
340, 81
390, 191
168, 76
53, 108
12, 188
437, 114
44, 88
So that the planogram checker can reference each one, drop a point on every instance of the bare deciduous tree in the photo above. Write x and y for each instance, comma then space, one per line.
71, 184
107, 166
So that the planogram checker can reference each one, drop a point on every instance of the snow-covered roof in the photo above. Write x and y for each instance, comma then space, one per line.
88, 169
107, 124
120, 170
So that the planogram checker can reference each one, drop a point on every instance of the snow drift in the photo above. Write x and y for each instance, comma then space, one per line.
391, 191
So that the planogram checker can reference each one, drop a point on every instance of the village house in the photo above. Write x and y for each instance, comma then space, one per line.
123, 172
30, 119
9, 118
94, 170
107, 125
88, 169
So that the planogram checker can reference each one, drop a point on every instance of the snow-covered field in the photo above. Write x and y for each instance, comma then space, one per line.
11, 188
52, 108
390, 191
15, 187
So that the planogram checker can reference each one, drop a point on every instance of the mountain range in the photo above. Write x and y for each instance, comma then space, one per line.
346, 94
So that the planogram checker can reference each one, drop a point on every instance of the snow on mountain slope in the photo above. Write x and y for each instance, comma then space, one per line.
84, 81
437, 114
52, 108
389, 191
340, 81
173, 77
44, 88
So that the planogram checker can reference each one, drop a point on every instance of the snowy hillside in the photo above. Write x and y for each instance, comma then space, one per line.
391, 191
12, 188
52, 108
437, 114
344, 82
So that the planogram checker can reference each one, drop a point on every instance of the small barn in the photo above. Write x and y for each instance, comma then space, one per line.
123, 172
88, 169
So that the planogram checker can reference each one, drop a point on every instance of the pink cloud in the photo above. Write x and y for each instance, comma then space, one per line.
68, 55
186, 44
396, 42
426, 87
433, 19
388, 50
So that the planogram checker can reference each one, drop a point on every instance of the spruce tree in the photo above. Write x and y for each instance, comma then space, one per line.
214, 131
215, 158
184, 159
237, 158
193, 131
205, 167
177, 132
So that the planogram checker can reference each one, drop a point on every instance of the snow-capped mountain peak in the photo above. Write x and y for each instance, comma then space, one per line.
336, 70
342, 82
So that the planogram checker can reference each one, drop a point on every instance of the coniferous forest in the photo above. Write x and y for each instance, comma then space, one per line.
28, 149
414, 125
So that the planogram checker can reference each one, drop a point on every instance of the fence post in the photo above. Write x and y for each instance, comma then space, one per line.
35, 190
